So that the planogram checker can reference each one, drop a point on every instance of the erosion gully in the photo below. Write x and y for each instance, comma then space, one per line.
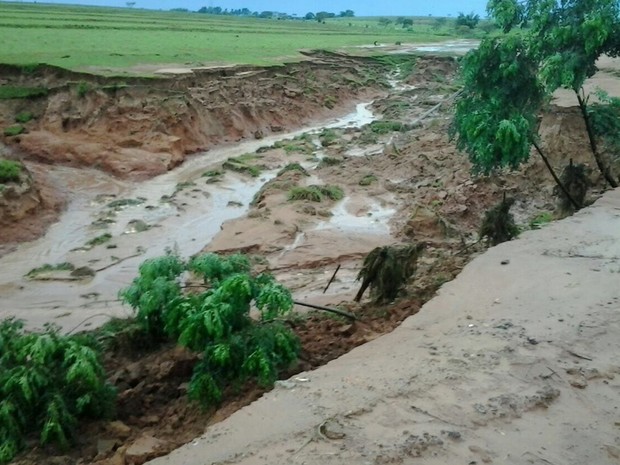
184, 228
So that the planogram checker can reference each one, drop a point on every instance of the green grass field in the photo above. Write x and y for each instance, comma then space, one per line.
79, 37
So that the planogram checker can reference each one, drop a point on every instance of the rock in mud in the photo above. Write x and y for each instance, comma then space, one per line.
143, 449
118, 429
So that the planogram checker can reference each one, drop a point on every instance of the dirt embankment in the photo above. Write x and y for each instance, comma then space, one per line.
141, 127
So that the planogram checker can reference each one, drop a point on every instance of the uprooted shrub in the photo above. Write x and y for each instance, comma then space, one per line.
236, 347
387, 269
498, 224
576, 182
48, 382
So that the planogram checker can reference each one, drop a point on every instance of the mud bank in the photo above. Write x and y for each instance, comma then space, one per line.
139, 127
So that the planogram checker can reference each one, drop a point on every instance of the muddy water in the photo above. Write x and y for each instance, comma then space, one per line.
183, 221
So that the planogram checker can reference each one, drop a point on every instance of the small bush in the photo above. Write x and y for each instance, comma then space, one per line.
14, 130
499, 225
316, 193
10, 171
24, 117
47, 383
217, 322
12, 92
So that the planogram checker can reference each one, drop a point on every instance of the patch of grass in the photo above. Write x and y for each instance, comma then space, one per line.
212, 173
316, 193
293, 167
14, 130
102, 239
83, 88
23, 117
183, 185
17, 92
540, 220
368, 180
385, 127
66, 266
10, 171
330, 161
122, 203
295, 146
328, 137
241, 164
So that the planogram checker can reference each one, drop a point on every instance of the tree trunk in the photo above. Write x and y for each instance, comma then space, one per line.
593, 145
555, 177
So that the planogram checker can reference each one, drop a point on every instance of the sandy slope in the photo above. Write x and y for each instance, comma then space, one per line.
513, 363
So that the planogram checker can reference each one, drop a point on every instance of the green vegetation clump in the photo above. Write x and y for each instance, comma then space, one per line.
122, 203
296, 145
241, 164
83, 88
368, 180
212, 174
540, 220
102, 239
12, 92
14, 130
328, 137
48, 382
385, 127
316, 193
24, 117
217, 322
293, 167
329, 161
10, 171
66, 266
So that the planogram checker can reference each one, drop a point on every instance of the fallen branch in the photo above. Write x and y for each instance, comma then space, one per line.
327, 309
331, 280
117, 262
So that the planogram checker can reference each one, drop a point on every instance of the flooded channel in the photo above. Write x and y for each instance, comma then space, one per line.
179, 211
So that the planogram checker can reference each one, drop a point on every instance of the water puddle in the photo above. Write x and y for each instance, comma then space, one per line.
370, 219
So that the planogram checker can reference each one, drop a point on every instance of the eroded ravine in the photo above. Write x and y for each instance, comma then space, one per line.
182, 213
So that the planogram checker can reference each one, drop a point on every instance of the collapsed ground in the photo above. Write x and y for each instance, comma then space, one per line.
401, 176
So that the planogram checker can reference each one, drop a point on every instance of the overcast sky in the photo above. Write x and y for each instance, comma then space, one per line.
301, 7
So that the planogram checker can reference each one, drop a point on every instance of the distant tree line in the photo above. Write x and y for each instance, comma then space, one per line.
320, 16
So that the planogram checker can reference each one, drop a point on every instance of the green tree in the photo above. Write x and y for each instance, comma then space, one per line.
509, 77
47, 383
217, 321
469, 20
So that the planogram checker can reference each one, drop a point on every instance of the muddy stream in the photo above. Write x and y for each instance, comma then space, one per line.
145, 221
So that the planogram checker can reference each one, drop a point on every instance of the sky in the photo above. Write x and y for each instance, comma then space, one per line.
301, 7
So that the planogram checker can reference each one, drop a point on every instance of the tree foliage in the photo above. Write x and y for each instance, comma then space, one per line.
545, 45
469, 20
217, 321
47, 383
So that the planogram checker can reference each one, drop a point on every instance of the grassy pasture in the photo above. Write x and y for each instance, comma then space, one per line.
79, 37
